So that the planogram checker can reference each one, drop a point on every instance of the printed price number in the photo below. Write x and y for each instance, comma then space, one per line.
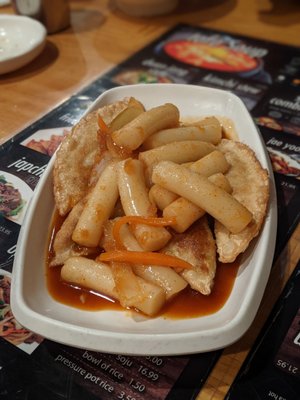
136, 385
287, 366
155, 360
123, 396
147, 373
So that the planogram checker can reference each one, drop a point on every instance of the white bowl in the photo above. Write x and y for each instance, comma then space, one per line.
116, 331
21, 40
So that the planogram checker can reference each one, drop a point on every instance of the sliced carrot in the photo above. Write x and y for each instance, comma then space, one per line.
110, 145
136, 219
144, 257
102, 125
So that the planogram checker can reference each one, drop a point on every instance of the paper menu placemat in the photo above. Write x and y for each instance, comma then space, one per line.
272, 368
265, 76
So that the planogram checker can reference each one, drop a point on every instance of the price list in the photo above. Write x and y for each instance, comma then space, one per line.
287, 358
272, 368
114, 376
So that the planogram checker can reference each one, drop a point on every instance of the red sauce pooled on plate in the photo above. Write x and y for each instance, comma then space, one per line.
187, 304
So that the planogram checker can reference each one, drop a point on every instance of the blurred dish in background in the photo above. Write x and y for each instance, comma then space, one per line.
21, 40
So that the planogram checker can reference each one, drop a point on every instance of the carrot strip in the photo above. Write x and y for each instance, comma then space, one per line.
144, 257
136, 219
102, 125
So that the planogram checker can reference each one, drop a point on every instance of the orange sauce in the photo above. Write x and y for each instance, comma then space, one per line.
190, 304
187, 304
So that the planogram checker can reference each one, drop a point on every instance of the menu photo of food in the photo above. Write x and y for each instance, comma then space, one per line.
46, 141
285, 164
215, 57
269, 122
279, 110
135, 76
10, 329
218, 52
277, 124
15, 195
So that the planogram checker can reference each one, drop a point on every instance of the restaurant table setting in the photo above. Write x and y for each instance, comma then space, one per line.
180, 54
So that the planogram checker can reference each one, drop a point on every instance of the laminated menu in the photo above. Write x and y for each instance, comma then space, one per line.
272, 368
266, 76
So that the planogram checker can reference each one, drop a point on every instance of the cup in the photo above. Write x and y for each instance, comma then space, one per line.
146, 8
54, 14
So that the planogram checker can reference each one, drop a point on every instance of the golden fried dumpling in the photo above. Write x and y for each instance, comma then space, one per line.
196, 246
250, 186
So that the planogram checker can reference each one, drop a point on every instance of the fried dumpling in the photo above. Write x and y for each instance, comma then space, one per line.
82, 151
74, 161
196, 246
250, 186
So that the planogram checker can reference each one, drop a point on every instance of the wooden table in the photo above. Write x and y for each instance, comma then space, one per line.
100, 37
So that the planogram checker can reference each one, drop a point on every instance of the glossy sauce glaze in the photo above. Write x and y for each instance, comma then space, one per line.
187, 304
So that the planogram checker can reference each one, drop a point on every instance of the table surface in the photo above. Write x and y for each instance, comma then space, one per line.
94, 43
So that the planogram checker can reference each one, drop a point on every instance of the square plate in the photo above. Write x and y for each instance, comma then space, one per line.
116, 331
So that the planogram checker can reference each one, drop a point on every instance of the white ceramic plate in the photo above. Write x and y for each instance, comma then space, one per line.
21, 40
116, 331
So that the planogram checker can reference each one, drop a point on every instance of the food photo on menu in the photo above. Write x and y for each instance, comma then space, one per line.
219, 52
46, 141
10, 329
11, 199
14, 197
